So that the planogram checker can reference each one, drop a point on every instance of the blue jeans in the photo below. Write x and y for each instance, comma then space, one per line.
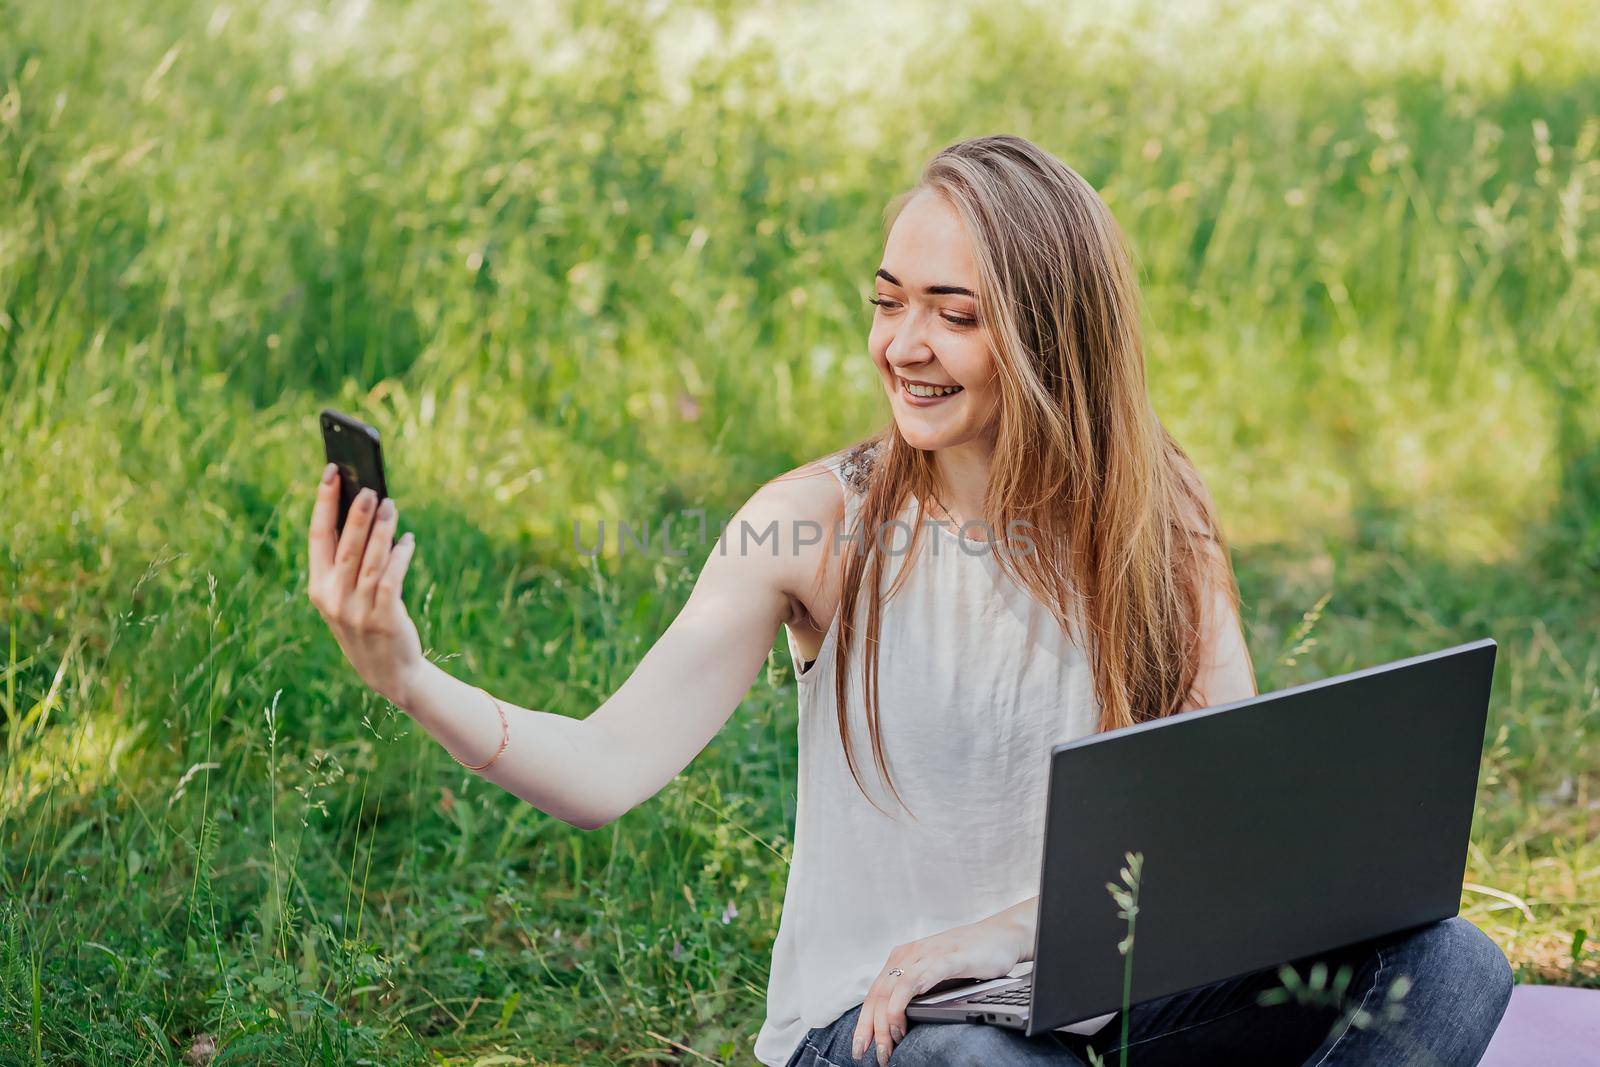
1457, 983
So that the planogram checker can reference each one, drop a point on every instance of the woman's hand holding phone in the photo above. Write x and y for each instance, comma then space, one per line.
355, 582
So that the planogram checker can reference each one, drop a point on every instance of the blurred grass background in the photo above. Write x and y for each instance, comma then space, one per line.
608, 259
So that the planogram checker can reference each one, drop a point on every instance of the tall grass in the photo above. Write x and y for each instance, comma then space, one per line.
606, 261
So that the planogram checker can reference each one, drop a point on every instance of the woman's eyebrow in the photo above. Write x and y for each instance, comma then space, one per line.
932, 290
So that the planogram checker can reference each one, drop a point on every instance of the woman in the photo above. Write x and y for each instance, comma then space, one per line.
1029, 557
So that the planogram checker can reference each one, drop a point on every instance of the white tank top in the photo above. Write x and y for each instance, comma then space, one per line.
977, 680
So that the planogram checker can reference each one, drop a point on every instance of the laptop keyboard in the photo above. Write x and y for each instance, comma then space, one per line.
1013, 995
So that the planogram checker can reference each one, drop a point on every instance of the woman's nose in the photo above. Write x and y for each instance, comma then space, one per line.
908, 346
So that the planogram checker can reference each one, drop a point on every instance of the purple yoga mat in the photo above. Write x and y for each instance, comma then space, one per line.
1551, 1026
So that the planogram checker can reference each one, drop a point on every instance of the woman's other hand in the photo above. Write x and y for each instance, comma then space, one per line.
988, 948
355, 583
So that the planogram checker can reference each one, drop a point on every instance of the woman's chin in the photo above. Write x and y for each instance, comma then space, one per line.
934, 427
924, 437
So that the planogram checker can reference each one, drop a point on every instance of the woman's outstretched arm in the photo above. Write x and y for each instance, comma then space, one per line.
587, 771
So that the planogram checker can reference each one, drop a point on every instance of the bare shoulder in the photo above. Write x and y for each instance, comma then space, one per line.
785, 534
799, 505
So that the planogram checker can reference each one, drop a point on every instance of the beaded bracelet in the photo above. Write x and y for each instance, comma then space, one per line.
505, 737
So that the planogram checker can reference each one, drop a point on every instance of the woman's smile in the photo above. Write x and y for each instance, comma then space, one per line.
922, 394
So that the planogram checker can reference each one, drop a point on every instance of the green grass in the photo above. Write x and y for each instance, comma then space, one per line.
585, 265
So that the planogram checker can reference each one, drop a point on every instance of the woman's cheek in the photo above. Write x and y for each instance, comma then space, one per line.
881, 361
878, 343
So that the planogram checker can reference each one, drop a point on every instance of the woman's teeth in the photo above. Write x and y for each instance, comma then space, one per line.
930, 391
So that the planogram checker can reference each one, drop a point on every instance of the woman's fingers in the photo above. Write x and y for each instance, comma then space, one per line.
324, 534
880, 1027
376, 557
886, 1033
394, 574
861, 1039
353, 542
892, 1006
881, 1024
872, 1030
974, 950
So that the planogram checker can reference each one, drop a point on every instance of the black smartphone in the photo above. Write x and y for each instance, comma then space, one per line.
353, 446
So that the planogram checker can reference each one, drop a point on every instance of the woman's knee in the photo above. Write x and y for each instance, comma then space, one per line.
1479, 958
977, 1045
935, 1045
1457, 960
946, 1043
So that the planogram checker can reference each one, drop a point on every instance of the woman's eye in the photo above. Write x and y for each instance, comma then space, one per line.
954, 320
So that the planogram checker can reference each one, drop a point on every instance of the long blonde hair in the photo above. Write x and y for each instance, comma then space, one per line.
1126, 545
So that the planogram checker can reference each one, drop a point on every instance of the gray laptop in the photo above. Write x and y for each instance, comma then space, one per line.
1272, 828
